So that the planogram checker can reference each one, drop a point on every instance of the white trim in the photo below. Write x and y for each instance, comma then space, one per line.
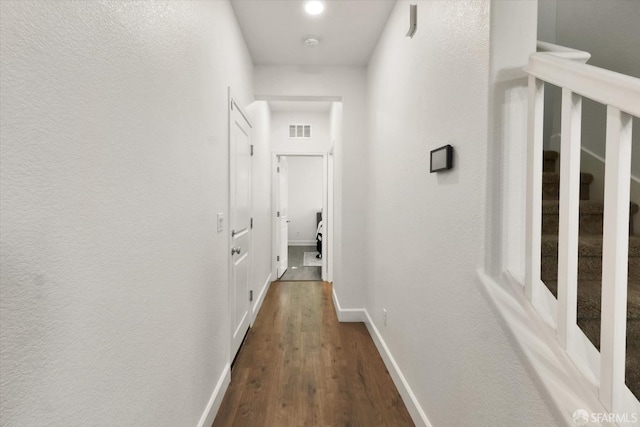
258, 302
302, 242
211, 410
348, 314
408, 397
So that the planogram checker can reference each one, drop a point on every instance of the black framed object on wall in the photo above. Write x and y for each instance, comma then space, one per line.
442, 158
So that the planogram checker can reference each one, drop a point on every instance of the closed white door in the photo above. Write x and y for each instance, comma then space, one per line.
240, 224
283, 216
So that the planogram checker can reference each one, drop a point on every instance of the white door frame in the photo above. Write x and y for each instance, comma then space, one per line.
327, 209
231, 104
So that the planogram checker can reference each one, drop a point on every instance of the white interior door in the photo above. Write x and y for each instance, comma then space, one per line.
283, 216
240, 218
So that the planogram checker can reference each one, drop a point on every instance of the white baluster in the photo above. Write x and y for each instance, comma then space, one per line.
615, 258
569, 218
534, 188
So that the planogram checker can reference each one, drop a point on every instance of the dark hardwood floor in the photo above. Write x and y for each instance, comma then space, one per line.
299, 366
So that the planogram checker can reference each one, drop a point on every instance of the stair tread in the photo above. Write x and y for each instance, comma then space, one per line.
551, 155
554, 178
586, 207
588, 245
589, 299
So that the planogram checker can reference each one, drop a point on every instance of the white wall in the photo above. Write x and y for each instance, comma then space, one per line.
427, 233
114, 163
348, 83
547, 10
513, 39
319, 141
263, 259
305, 198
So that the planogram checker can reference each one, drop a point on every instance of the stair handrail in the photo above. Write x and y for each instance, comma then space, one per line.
563, 52
567, 68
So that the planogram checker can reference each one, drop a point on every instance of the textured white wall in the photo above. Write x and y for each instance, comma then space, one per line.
113, 166
319, 141
350, 169
305, 197
427, 232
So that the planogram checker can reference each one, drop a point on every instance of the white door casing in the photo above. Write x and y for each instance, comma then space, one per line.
283, 216
240, 223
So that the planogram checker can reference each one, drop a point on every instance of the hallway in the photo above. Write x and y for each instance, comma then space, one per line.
300, 366
142, 224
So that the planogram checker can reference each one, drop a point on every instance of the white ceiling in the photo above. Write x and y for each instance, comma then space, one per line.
348, 30
299, 106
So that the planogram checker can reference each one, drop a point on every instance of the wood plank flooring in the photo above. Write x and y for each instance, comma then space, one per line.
299, 366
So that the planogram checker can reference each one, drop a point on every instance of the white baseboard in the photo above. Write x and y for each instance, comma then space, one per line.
302, 243
411, 402
348, 314
215, 401
260, 299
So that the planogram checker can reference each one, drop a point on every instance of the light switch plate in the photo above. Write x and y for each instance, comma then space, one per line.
220, 222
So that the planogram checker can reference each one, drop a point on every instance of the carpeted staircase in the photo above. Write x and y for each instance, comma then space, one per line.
590, 263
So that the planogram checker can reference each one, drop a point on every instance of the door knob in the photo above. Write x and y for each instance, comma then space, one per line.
236, 250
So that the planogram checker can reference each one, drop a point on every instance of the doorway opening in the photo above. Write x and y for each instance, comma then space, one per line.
301, 216
305, 136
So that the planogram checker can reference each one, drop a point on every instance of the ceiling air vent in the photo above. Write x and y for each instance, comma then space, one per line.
299, 131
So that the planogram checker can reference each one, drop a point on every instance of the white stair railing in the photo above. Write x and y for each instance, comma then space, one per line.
566, 68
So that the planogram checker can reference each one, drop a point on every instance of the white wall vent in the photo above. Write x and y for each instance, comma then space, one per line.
299, 131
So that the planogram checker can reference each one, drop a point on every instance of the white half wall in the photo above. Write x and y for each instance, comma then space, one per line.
427, 233
305, 197
114, 164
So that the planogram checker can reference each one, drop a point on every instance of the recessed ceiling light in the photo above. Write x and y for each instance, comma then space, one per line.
314, 7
